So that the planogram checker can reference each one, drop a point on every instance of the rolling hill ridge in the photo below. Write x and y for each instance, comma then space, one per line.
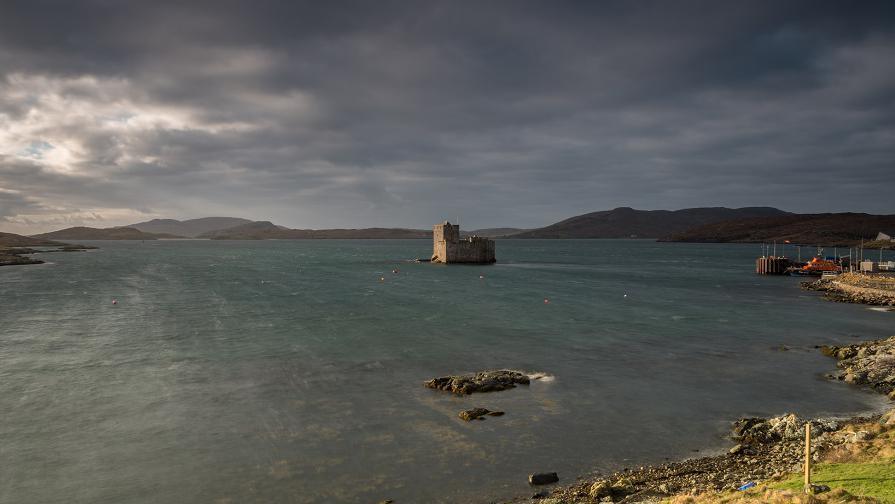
265, 230
832, 229
190, 228
625, 222
114, 233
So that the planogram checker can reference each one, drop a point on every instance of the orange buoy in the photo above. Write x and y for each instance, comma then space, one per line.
546, 301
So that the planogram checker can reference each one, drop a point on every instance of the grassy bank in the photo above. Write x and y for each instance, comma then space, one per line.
870, 479
860, 469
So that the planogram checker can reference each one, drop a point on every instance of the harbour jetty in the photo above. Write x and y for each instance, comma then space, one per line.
862, 288
771, 265
447, 247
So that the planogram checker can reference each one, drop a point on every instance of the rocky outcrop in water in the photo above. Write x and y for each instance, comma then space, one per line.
483, 381
870, 364
542, 478
478, 414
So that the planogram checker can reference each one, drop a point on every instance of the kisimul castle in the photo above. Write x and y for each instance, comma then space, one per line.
447, 247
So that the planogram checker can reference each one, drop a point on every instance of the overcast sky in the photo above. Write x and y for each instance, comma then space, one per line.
379, 113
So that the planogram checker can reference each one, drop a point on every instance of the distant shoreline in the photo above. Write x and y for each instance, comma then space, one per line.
14, 256
689, 225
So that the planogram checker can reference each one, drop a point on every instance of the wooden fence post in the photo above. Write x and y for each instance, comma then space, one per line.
807, 457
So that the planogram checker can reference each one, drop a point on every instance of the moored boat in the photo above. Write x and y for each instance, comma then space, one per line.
817, 267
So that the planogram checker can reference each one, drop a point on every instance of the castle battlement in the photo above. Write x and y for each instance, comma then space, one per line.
448, 247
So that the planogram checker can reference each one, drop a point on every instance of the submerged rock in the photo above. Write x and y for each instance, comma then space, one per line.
478, 414
483, 381
542, 478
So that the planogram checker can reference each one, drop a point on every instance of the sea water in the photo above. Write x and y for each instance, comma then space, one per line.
292, 371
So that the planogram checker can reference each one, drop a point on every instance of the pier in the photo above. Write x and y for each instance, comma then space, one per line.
771, 265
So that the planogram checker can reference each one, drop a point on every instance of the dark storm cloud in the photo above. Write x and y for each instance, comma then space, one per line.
401, 113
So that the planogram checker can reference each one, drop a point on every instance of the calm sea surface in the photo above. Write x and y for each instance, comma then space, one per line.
287, 371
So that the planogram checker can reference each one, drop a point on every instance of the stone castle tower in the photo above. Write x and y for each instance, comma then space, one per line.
447, 247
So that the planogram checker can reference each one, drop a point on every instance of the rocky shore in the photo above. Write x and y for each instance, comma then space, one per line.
856, 288
870, 364
15, 256
766, 450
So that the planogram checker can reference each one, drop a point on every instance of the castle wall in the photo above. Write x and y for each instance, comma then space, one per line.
475, 250
445, 238
447, 247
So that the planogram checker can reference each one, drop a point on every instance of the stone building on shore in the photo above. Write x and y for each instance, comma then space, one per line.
448, 247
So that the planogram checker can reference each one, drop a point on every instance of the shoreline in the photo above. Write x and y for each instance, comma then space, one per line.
856, 288
15, 256
767, 451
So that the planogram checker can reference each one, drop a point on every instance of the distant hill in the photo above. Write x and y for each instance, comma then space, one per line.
493, 232
627, 222
114, 233
259, 230
14, 240
832, 229
190, 228
264, 230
